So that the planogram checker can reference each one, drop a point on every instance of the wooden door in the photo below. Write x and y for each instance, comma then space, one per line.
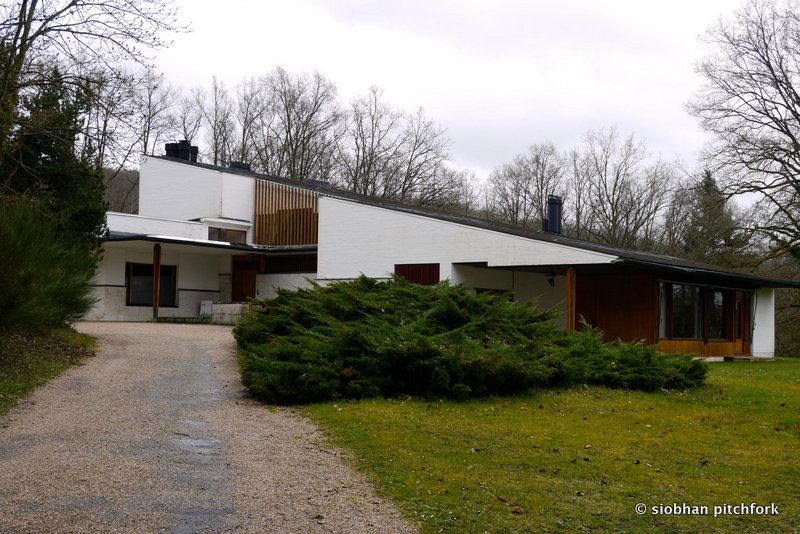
741, 322
243, 278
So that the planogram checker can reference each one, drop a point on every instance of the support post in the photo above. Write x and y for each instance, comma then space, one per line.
156, 278
570, 302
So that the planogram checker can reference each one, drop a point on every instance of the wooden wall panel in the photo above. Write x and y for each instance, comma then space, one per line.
284, 215
697, 346
622, 305
625, 306
571, 299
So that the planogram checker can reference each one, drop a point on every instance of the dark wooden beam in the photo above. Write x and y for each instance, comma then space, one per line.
156, 278
570, 302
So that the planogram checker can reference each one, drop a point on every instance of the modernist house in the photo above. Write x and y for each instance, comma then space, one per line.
208, 237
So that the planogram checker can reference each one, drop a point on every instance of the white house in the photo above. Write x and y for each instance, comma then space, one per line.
208, 238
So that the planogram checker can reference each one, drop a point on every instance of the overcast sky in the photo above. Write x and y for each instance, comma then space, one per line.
499, 75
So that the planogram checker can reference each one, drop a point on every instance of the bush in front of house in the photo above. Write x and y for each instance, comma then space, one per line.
583, 357
367, 338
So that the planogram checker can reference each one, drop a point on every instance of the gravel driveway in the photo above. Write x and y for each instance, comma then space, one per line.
155, 433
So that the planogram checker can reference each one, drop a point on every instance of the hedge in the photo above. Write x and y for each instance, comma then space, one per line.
368, 338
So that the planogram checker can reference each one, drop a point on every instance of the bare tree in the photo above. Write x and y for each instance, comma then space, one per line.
750, 103
422, 174
579, 220
251, 105
155, 100
82, 32
297, 133
447, 188
110, 133
518, 191
371, 148
218, 111
677, 217
386, 153
507, 196
188, 115
626, 191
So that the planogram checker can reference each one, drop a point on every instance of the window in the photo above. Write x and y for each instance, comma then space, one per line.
694, 312
717, 314
139, 285
238, 237
686, 312
289, 263
426, 274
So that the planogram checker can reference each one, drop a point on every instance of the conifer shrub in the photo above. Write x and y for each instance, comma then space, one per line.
367, 338
45, 275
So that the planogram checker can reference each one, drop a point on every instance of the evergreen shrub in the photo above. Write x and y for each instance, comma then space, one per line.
45, 274
367, 338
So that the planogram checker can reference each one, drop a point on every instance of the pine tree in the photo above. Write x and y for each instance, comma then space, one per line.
43, 166
711, 233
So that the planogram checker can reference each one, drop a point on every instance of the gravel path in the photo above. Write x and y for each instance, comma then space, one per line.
155, 434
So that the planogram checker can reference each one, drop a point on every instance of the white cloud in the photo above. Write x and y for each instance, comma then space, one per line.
499, 75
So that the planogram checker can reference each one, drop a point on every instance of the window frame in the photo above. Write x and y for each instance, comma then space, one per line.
665, 295
173, 289
224, 235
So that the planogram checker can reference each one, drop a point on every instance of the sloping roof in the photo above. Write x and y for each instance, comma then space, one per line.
625, 255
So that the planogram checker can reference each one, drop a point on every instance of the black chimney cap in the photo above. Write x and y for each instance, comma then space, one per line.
183, 149
171, 150
241, 165
552, 223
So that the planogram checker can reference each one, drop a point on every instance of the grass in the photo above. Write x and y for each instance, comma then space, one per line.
581, 459
27, 362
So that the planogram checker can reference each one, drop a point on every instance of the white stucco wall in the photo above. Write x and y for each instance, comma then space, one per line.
764, 324
525, 286
357, 238
181, 191
535, 286
198, 279
138, 224
266, 283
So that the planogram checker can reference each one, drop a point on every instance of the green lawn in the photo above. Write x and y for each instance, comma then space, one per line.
29, 361
582, 459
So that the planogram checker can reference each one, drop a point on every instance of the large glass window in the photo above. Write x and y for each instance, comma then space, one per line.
139, 285
686, 312
694, 312
717, 314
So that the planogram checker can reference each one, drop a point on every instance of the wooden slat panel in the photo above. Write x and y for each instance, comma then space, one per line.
284, 215
418, 273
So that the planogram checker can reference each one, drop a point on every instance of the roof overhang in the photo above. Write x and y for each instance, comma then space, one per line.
711, 275
116, 237
226, 222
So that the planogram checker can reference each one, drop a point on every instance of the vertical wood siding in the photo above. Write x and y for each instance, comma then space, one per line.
284, 215
426, 274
